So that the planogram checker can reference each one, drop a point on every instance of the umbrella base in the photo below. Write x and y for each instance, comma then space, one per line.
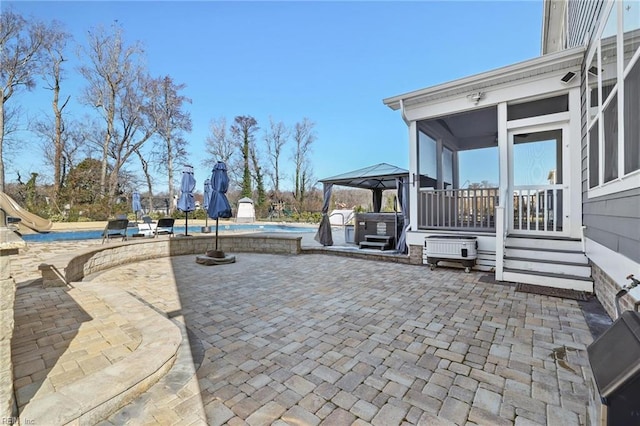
218, 254
205, 229
207, 260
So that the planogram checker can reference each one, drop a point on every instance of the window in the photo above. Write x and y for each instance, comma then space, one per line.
539, 107
631, 28
610, 132
613, 99
631, 121
428, 160
447, 166
594, 157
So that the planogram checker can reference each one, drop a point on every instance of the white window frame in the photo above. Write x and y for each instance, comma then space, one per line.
630, 180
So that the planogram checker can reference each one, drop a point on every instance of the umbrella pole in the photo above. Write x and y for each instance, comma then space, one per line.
216, 234
186, 223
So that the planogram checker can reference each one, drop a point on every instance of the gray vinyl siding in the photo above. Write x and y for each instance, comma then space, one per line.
612, 220
582, 15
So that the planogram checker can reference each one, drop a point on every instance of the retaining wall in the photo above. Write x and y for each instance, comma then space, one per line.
65, 269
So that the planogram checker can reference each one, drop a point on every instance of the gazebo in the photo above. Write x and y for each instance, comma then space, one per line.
376, 178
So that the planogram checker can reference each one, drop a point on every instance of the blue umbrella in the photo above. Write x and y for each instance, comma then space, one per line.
205, 201
218, 204
135, 203
186, 202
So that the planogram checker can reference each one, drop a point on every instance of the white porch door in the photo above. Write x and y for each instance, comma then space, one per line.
538, 198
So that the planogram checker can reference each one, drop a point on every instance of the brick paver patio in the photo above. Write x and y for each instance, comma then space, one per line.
312, 339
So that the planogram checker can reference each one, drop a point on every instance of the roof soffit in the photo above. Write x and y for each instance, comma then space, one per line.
569, 59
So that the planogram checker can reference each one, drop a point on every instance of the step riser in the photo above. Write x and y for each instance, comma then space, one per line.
547, 255
554, 268
544, 244
548, 281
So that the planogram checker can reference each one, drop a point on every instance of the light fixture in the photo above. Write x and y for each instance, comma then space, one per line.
476, 97
568, 77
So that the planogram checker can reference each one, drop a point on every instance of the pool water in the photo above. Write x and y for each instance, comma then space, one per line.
196, 230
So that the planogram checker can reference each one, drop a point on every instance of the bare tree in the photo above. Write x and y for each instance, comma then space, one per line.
220, 146
303, 138
166, 109
119, 89
276, 138
243, 131
21, 52
112, 74
258, 176
53, 75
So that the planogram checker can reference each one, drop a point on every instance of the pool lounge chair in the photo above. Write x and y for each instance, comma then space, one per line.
165, 226
147, 228
116, 228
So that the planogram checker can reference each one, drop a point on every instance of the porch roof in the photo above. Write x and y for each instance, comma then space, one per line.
379, 176
569, 59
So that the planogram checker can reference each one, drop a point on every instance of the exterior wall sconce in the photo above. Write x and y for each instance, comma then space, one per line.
476, 97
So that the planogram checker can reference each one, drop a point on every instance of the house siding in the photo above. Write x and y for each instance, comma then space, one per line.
582, 17
612, 220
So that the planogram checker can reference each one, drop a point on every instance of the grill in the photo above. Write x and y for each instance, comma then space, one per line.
615, 362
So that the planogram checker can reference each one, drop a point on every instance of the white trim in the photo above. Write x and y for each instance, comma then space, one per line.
622, 182
569, 183
625, 183
615, 265
560, 117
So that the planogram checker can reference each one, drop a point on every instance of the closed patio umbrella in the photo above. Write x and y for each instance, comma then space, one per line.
186, 202
136, 206
218, 204
205, 204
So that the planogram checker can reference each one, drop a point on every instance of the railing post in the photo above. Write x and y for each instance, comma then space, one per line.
500, 234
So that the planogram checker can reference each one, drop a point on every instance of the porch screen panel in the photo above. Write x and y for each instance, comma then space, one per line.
610, 127
631, 121
594, 156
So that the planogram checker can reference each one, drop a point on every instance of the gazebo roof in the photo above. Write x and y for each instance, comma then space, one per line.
379, 176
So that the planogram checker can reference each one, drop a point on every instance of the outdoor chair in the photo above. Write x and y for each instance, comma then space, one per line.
165, 226
146, 228
116, 228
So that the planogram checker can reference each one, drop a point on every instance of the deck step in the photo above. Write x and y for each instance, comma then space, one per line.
548, 266
386, 238
544, 243
380, 242
568, 256
548, 279
374, 244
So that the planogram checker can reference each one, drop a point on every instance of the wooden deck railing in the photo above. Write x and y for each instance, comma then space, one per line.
461, 209
537, 208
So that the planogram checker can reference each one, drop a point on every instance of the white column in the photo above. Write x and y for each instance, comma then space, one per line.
502, 210
572, 166
414, 179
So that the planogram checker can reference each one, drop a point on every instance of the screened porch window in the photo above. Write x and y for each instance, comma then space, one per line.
614, 100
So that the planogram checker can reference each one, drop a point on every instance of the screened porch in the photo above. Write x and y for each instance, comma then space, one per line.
458, 164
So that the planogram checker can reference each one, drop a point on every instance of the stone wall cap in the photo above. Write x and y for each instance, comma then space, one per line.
9, 240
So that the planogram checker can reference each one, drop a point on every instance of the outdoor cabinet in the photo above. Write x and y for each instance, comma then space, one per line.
615, 362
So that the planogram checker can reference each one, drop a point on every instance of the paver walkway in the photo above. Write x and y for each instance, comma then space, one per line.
314, 339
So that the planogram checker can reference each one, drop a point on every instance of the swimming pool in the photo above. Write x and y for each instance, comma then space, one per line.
196, 230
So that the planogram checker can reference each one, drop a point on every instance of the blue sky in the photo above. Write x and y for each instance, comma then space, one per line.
332, 62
